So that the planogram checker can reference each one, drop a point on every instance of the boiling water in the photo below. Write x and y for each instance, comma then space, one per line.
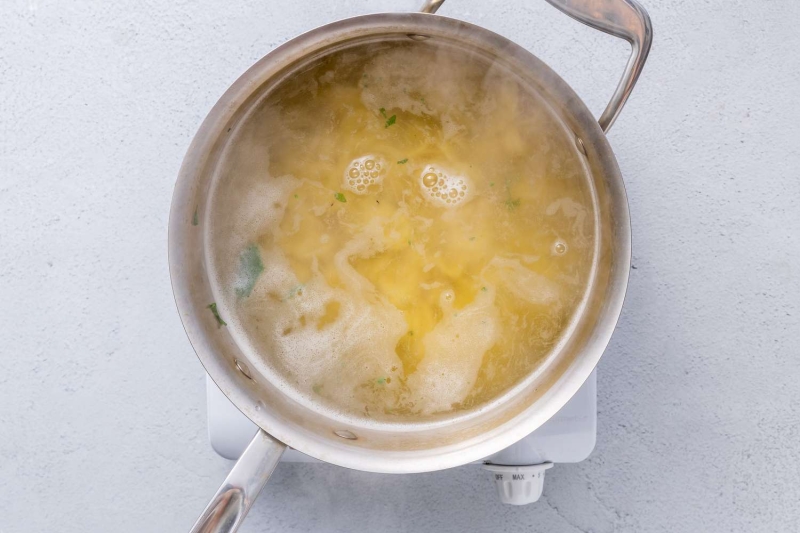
401, 229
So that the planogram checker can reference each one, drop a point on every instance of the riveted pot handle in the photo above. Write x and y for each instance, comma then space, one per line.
239, 490
625, 19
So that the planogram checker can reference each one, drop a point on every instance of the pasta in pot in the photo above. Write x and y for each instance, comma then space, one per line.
403, 229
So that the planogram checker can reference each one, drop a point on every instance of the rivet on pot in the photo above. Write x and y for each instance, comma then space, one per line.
581, 147
243, 368
345, 434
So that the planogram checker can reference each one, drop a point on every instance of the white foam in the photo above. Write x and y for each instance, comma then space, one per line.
443, 187
341, 359
260, 210
365, 174
454, 351
344, 358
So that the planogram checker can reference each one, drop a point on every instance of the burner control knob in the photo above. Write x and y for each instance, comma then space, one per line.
518, 485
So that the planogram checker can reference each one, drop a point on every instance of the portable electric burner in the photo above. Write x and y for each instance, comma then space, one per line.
518, 471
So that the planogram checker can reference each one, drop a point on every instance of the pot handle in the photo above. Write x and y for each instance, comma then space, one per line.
251, 472
625, 19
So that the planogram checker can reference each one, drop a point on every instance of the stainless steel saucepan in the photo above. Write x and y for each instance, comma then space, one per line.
404, 447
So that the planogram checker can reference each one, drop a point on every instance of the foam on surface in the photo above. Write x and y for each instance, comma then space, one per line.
443, 188
454, 352
365, 174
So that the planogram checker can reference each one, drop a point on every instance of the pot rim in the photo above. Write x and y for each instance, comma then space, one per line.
196, 320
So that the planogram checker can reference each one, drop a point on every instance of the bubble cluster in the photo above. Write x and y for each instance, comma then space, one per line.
363, 172
440, 186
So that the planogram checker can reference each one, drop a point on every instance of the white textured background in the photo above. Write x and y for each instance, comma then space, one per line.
102, 414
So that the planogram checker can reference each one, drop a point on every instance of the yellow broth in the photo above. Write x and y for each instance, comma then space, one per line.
402, 229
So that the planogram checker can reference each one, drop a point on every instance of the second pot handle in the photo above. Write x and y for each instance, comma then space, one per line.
239, 490
625, 19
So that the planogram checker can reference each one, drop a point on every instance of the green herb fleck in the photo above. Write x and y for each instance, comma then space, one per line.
383, 112
411, 333
409, 242
483, 289
195, 220
491, 184
472, 238
220, 322
512, 204
422, 100
250, 267
339, 196
317, 388
381, 381
391, 120
296, 196
403, 161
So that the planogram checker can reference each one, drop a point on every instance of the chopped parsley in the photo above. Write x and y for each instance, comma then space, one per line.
411, 333
391, 120
403, 161
250, 267
472, 238
491, 184
381, 381
195, 221
483, 289
296, 196
220, 322
339, 196
383, 112
512, 204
